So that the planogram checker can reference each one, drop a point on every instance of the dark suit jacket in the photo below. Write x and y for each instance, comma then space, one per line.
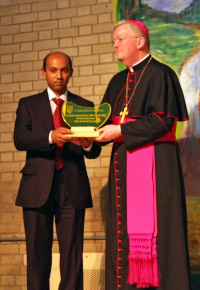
33, 123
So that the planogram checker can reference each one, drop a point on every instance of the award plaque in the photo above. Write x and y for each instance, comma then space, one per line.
85, 121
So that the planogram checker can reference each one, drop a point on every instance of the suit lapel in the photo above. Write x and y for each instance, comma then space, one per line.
45, 110
72, 98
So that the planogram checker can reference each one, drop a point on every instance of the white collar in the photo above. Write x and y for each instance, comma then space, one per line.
131, 67
52, 95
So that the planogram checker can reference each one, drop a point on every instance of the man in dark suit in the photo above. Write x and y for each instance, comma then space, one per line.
54, 180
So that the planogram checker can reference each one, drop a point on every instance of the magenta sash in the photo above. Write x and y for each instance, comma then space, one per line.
141, 215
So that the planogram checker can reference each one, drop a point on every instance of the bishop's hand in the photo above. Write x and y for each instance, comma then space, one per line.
109, 133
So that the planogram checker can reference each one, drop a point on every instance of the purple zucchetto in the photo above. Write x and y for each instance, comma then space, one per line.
140, 25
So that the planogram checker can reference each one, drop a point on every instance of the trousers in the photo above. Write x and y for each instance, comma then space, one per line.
69, 224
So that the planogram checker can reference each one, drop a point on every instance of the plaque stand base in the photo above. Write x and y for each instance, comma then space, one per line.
84, 132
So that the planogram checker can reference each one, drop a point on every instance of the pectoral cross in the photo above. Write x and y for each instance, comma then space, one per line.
123, 114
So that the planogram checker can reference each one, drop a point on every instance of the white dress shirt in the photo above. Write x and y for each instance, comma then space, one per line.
52, 96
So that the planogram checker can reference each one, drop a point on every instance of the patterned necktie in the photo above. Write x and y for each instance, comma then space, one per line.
58, 122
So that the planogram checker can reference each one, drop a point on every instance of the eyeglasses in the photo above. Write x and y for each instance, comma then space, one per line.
121, 39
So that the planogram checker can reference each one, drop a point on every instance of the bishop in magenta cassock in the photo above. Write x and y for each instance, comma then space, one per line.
146, 211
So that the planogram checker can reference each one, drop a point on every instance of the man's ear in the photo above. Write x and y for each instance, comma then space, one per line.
71, 72
43, 72
141, 42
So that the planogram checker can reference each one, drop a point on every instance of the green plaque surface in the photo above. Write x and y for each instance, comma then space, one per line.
79, 116
85, 121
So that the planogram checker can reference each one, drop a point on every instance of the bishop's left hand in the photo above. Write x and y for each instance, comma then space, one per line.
109, 133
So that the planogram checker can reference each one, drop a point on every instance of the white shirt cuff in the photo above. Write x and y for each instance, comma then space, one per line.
50, 139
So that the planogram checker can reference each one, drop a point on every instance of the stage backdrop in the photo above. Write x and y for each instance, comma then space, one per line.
174, 27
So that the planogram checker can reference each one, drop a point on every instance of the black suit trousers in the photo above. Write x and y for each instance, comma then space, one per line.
39, 238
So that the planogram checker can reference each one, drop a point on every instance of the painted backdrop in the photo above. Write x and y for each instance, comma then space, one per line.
174, 27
